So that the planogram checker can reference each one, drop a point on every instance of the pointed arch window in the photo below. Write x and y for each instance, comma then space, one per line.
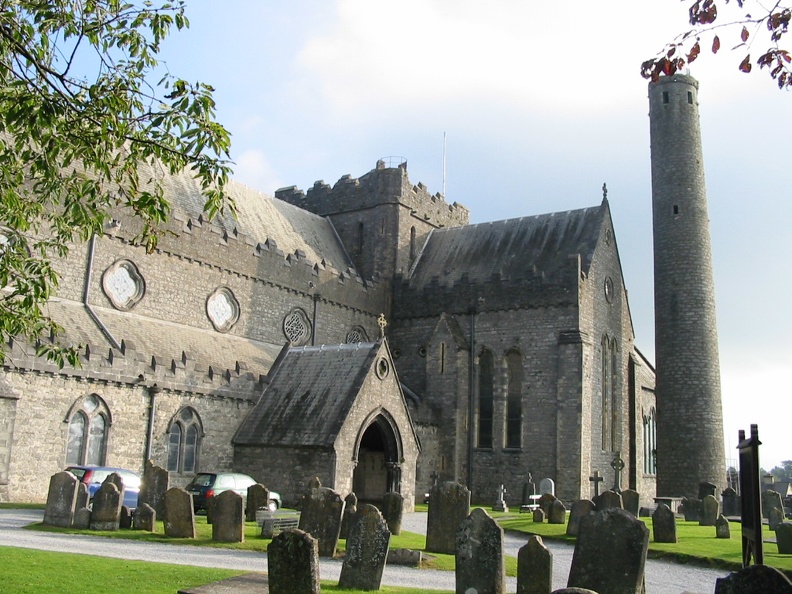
609, 393
514, 372
486, 399
89, 422
184, 440
650, 443
413, 246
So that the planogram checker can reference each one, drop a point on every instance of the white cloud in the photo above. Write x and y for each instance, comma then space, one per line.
254, 169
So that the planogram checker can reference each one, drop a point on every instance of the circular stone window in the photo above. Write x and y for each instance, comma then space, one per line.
296, 327
123, 284
357, 334
383, 368
222, 308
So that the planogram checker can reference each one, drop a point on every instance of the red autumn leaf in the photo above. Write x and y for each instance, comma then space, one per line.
744, 34
694, 52
745, 65
715, 44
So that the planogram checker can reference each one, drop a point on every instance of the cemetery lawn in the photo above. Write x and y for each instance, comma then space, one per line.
45, 572
695, 544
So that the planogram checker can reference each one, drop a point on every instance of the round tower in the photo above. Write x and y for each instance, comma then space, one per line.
690, 447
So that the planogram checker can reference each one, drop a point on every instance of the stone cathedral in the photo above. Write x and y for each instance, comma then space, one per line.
365, 333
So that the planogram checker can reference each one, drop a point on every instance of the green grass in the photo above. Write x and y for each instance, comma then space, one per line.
23, 505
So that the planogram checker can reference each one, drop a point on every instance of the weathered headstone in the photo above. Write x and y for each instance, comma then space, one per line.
784, 538
392, 511
691, 509
118, 481
610, 553
82, 513
350, 513
631, 500
557, 513
664, 524
534, 567
538, 515
229, 519
155, 483
610, 499
731, 502
106, 511
145, 518
449, 504
83, 497
480, 564
776, 518
61, 498
529, 489
125, 518
500, 502
257, 498
545, 502
706, 488
710, 510
293, 563
596, 479
321, 512
722, 529
547, 485
771, 500
366, 550
753, 580
580, 508
179, 514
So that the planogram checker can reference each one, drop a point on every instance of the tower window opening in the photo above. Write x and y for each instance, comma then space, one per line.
442, 357
690, 97
676, 209
665, 96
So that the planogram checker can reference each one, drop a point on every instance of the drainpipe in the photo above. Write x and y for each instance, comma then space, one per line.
471, 399
153, 391
316, 298
87, 292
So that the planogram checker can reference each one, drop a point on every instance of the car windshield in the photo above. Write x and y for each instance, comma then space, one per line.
202, 480
78, 472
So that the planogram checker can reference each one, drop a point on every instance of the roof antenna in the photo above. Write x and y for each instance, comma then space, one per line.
444, 164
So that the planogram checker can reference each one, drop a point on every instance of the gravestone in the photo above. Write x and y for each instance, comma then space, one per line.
776, 518
771, 500
581, 507
731, 502
82, 514
293, 563
257, 498
557, 513
538, 515
754, 579
784, 538
480, 563
350, 511
449, 504
145, 518
106, 511
229, 518
691, 509
610, 553
610, 499
118, 481
545, 502
125, 518
664, 524
547, 485
706, 488
366, 551
392, 511
710, 509
596, 479
83, 497
179, 515
631, 500
61, 498
529, 489
722, 529
321, 512
155, 483
500, 502
534, 567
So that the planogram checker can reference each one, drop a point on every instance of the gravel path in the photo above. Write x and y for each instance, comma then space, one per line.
661, 577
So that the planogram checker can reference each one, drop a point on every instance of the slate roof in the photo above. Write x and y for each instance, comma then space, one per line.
311, 391
262, 217
517, 249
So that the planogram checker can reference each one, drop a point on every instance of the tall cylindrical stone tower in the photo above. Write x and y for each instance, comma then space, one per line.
690, 447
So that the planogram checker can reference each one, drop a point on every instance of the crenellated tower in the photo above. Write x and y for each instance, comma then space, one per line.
690, 446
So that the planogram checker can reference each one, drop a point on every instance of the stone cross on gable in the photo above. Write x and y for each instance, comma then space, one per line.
382, 324
618, 466
596, 479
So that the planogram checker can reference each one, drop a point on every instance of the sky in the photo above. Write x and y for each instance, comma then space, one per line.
531, 106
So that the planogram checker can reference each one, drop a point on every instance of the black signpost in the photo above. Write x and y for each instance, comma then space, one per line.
751, 498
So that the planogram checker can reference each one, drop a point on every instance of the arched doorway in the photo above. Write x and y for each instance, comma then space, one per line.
378, 454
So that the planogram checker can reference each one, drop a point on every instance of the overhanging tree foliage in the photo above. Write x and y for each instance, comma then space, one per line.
85, 116
753, 27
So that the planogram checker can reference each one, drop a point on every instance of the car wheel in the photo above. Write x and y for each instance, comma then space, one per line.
272, 505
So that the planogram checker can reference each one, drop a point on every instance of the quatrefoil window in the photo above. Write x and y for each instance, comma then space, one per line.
296, 327
123, 284
223, 309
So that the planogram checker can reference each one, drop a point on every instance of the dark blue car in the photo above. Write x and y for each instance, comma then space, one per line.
94, 476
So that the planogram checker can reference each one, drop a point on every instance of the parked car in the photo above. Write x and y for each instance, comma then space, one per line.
206, 485
94, 476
